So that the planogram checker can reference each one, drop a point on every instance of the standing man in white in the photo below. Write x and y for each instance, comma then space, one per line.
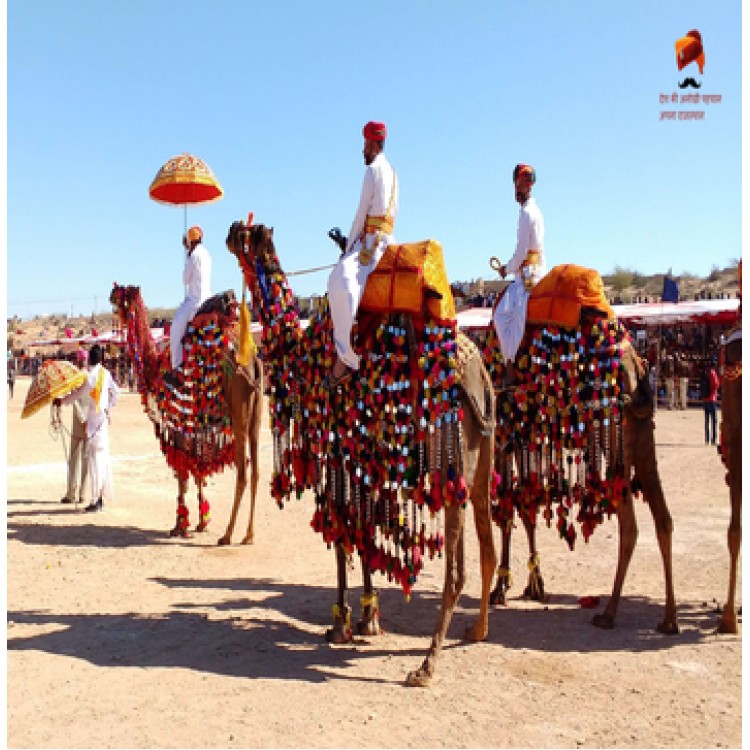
370, 235
99, 393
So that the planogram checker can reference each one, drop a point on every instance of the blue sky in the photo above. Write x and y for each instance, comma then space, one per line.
273, 96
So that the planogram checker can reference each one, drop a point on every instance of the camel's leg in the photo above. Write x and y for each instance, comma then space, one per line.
240, 465
480, 499
182, 523
203, 506
254, 438
454, 581
535, 586
370, 622
644, 462
497, 597
728, 622
341, 632
628, 534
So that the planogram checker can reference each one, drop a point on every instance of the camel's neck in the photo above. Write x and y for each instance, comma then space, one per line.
141, 346
279, 314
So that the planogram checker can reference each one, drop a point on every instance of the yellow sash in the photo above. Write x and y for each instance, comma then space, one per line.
96, 393
377, 225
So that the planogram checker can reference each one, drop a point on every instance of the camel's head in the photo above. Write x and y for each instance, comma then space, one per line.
122, 298
252, 244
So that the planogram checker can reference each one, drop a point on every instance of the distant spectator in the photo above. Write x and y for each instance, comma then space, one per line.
668, 370
709, 391
11, 377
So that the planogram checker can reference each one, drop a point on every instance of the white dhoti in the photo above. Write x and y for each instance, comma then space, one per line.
346, 285
98, 457
184, 314
509, 318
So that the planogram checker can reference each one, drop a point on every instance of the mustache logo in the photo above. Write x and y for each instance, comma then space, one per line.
689, 82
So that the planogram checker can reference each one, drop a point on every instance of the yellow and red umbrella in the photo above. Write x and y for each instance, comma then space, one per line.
185, 180
56, 379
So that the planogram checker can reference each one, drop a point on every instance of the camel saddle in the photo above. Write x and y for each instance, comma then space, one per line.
564, 294
410, 278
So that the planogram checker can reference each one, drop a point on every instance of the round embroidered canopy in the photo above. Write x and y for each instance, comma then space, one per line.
185, 180
56, 379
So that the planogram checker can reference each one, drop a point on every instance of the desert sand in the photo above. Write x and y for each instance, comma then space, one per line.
121, 637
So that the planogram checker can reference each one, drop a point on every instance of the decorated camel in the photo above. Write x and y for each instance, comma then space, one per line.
393, 455
206, 416
731, 453
575, 433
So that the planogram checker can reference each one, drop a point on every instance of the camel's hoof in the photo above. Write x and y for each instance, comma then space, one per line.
478, 632
338, 635
224, 541
535, 592
179, 532
202, 526
668, 627
603, 621
497, 598
248, 540
369, 626
420, 678
728, 626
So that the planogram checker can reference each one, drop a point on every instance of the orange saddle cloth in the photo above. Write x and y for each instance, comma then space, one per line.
561, 295
403, 279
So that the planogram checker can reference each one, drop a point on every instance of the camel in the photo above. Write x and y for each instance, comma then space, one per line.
318, 443
731, 453
241, 390
627, 451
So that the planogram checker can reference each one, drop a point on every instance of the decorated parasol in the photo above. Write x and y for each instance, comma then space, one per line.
185, 180
56, 379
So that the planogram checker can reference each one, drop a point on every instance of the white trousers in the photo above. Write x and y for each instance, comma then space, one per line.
183, 315
100, 464
510, 318
346, 285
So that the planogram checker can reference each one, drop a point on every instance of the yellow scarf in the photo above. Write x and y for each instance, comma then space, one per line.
96, 394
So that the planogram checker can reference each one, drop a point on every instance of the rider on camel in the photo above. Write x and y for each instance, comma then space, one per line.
528, 264
196, 277
370, 235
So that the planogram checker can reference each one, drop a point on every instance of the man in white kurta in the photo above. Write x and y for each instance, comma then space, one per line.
370, 235
527, 264
197, 279
99, 393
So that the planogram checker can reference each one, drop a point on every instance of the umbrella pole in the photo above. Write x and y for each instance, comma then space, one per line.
184, 231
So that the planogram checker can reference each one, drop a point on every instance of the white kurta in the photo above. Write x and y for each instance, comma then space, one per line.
509, 316
197, 279
347, 280
97, 430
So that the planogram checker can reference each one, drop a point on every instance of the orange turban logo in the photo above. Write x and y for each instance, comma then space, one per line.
689, 48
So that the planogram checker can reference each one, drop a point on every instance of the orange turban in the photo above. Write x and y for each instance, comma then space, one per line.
194, 233
374, 131
524, 175
690, 49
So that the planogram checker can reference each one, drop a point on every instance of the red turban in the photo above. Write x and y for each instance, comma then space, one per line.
374, 131
524, 175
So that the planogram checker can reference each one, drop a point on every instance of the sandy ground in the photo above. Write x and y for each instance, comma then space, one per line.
121, 637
